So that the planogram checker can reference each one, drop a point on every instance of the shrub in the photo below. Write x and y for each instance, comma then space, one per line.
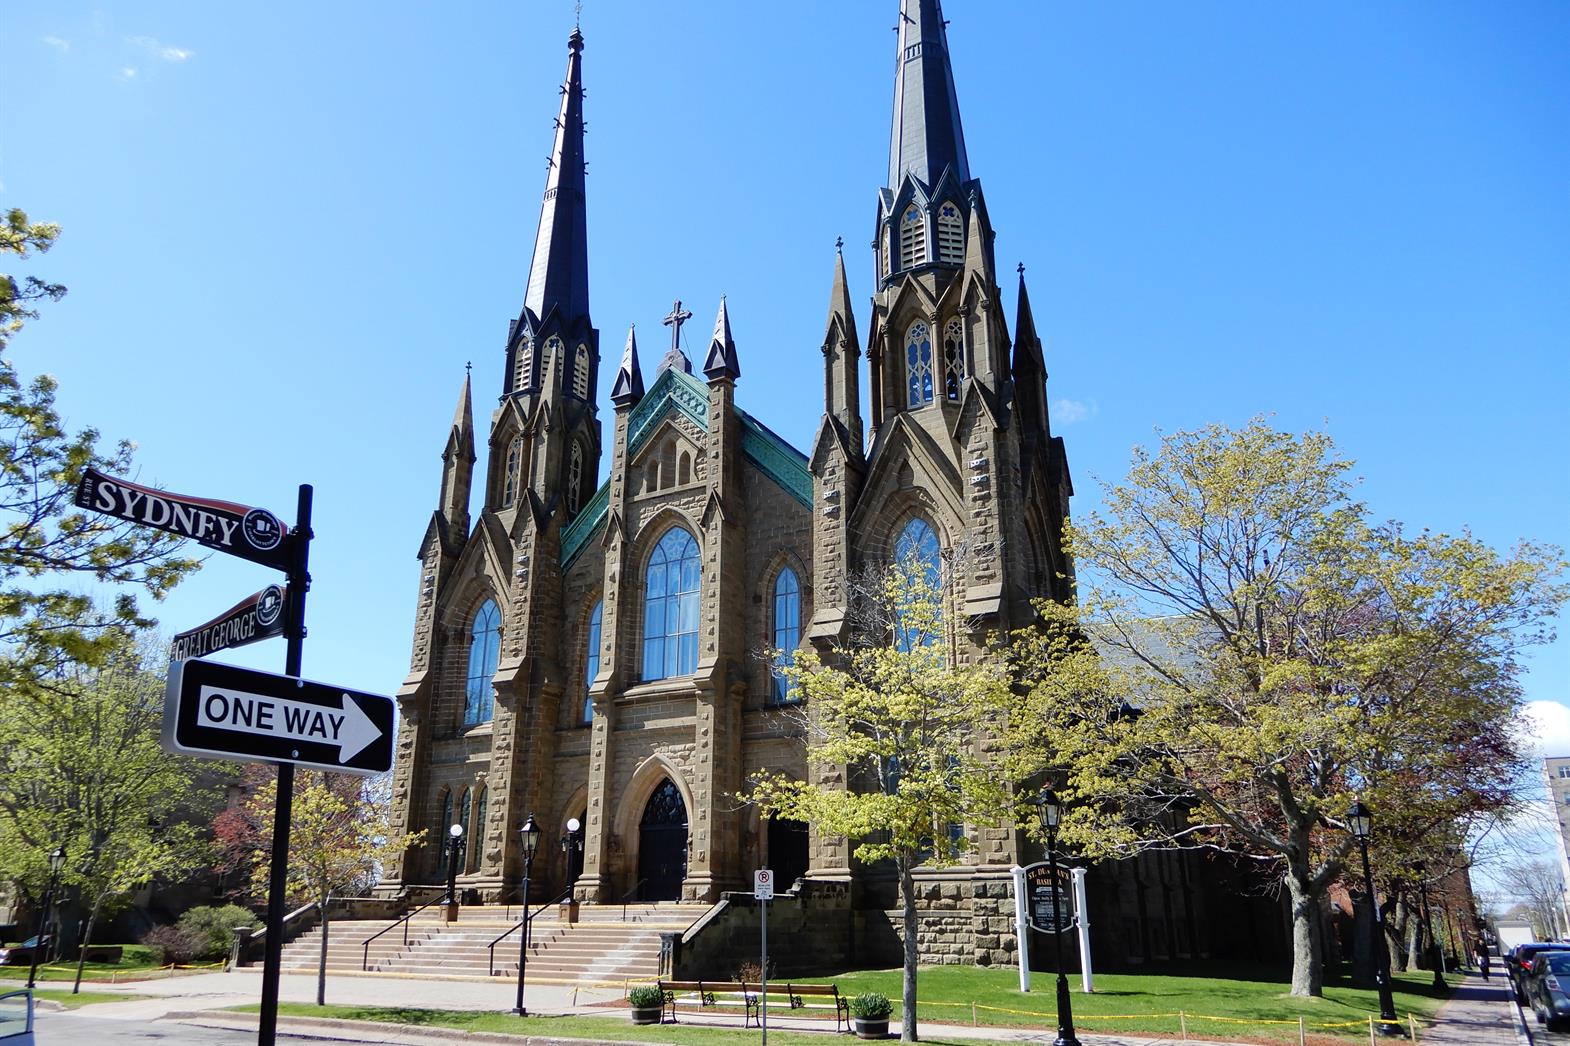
871, 1006
210, 925
645, 997
170, 944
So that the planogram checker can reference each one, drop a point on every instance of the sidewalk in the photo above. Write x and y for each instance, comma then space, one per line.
1480, 1013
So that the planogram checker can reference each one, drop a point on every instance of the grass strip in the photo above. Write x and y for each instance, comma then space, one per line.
80, 999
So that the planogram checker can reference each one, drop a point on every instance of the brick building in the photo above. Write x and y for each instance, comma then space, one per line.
592, 649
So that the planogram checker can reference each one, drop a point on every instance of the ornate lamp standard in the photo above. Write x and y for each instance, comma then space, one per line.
531, 844
56, 862
1362, 824
454, 850
1051, 816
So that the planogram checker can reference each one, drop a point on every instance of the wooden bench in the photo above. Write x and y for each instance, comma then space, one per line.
751, 997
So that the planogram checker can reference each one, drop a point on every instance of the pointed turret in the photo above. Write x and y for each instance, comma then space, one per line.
927, 136
1030, 368
842, 358
556, 300
629, 378
458, 466
721, 362
559, 277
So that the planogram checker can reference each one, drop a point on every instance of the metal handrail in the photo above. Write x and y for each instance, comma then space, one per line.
491, 948
635, 888
365, 945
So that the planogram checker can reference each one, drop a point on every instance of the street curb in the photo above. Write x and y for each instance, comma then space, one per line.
212, 1018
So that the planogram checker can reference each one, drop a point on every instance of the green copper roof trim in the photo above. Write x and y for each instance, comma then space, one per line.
775, 458
688, 394
577, 533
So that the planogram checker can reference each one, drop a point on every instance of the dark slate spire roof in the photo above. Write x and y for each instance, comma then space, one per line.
629, 379
559, 277
721, 361
927, 135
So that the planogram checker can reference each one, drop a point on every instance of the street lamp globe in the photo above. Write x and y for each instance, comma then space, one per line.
1360, 820
456, 831
573, 824
531, 838
1051, 809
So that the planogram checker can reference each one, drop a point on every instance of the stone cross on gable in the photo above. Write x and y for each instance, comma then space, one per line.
675, 357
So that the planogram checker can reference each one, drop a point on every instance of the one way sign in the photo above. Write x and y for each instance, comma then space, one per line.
235, 713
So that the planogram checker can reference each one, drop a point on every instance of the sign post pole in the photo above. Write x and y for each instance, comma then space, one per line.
277, 883
763, 890
1021, 928
1087, 978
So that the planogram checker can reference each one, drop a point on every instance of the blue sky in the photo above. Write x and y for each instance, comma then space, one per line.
288, 226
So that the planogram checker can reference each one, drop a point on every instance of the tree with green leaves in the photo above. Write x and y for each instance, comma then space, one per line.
1251, 652
902, 724
339, 838
82, 768
46, 623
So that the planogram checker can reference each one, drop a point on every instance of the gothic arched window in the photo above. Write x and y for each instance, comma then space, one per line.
591, 658
484, 646
918, 365
477, 836
574, 478
916, 555
580, 373
446, 810
953, 358
951, 235
912, 238
787, 631
670, 607
553, 351
511, 473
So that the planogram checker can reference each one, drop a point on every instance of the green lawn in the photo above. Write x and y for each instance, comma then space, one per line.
1149, 1004
136, 961
71, 1002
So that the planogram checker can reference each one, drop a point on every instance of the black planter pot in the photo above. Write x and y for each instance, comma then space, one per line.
646, 1014
871, 1027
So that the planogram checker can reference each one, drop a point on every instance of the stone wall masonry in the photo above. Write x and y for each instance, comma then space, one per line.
810, 934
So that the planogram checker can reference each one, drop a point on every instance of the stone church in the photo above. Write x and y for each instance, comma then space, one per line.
590, 650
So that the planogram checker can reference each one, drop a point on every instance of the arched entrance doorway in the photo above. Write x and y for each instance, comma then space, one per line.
787, 851
662, 845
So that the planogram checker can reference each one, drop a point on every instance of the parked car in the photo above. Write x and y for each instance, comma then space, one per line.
1519, 959
1548, 988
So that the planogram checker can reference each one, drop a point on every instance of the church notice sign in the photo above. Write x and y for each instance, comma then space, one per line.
256, 617
1048, 914
235, 713
250, 533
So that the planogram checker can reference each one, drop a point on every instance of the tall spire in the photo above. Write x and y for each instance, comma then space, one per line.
629, 379
721, 361
927, 135
559, 277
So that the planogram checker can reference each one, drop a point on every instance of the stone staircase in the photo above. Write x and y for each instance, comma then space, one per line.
608, 944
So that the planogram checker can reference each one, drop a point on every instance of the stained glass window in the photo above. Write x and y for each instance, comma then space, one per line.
591, 658
918, 365
511, 473
670, 607
484, 646
787, 631
916, 549
953, 358
574, 478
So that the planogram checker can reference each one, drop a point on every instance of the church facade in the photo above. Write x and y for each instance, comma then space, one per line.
590, 651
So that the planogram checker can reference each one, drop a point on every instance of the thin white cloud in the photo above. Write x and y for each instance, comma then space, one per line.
128, 73
58, 44
1069, 412
159, 50
1545, 727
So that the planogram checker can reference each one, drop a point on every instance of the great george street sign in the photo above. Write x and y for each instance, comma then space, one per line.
250, 533
236, 713
256, 617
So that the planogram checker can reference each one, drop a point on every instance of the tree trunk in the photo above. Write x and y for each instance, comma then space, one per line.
1413, 943
1308, 976
321, 968
907, 890
87, 942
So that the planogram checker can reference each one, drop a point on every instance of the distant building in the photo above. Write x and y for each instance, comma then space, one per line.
1556, 775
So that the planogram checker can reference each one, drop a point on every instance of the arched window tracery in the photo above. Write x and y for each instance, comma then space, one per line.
580, 373
591, 658
512, 471
951, 235
918, 365
787, 632
912, 238
918, 554
953, 358
670, 607
575, 478
484, 648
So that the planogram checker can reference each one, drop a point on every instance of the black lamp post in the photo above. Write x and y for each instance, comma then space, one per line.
1435, 960
531, 843
454, 851
1051, 816
1362, 824
56, 862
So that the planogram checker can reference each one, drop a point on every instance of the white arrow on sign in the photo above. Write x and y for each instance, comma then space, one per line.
349, 728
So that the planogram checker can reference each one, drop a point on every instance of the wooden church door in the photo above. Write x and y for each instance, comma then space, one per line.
662, 845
